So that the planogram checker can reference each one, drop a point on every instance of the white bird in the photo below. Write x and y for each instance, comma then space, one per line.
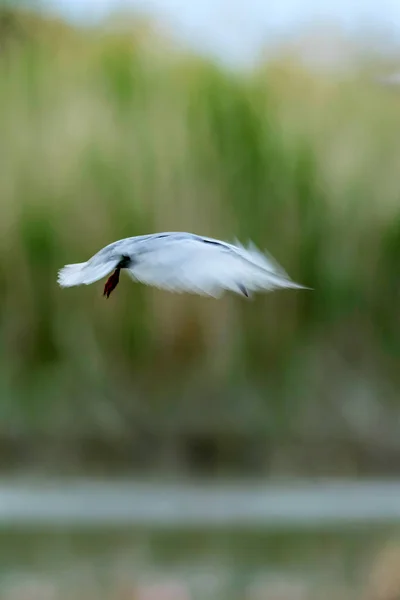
181, 262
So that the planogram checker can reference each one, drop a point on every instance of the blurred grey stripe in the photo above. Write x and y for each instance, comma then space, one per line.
272, 506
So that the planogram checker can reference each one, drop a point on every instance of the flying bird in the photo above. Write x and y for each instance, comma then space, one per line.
181, 262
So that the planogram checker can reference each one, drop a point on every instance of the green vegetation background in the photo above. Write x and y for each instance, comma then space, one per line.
106, 135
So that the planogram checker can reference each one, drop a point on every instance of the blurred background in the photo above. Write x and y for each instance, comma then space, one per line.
157, 446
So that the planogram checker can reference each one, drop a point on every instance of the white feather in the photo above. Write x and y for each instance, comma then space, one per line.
193, 266
184, 262
84, 273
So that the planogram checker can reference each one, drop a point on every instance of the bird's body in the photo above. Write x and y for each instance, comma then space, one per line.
181, 262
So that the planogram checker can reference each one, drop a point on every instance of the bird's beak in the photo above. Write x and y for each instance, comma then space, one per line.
111, 283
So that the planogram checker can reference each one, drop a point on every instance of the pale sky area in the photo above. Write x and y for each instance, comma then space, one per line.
236, 30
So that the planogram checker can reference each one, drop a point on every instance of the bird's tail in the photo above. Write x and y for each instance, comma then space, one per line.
271, 274
84, 273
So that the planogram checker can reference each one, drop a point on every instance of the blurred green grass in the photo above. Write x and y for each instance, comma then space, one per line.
214, 564
106, 135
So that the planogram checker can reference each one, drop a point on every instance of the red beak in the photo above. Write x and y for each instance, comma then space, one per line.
111, 283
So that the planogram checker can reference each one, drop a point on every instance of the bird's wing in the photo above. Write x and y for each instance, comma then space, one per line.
85, 273
208, 268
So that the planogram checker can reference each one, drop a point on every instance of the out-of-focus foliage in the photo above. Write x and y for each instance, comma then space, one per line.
105, 136
93, 565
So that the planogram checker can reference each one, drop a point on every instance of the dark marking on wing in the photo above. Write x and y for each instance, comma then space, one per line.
243, 290
213, 243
